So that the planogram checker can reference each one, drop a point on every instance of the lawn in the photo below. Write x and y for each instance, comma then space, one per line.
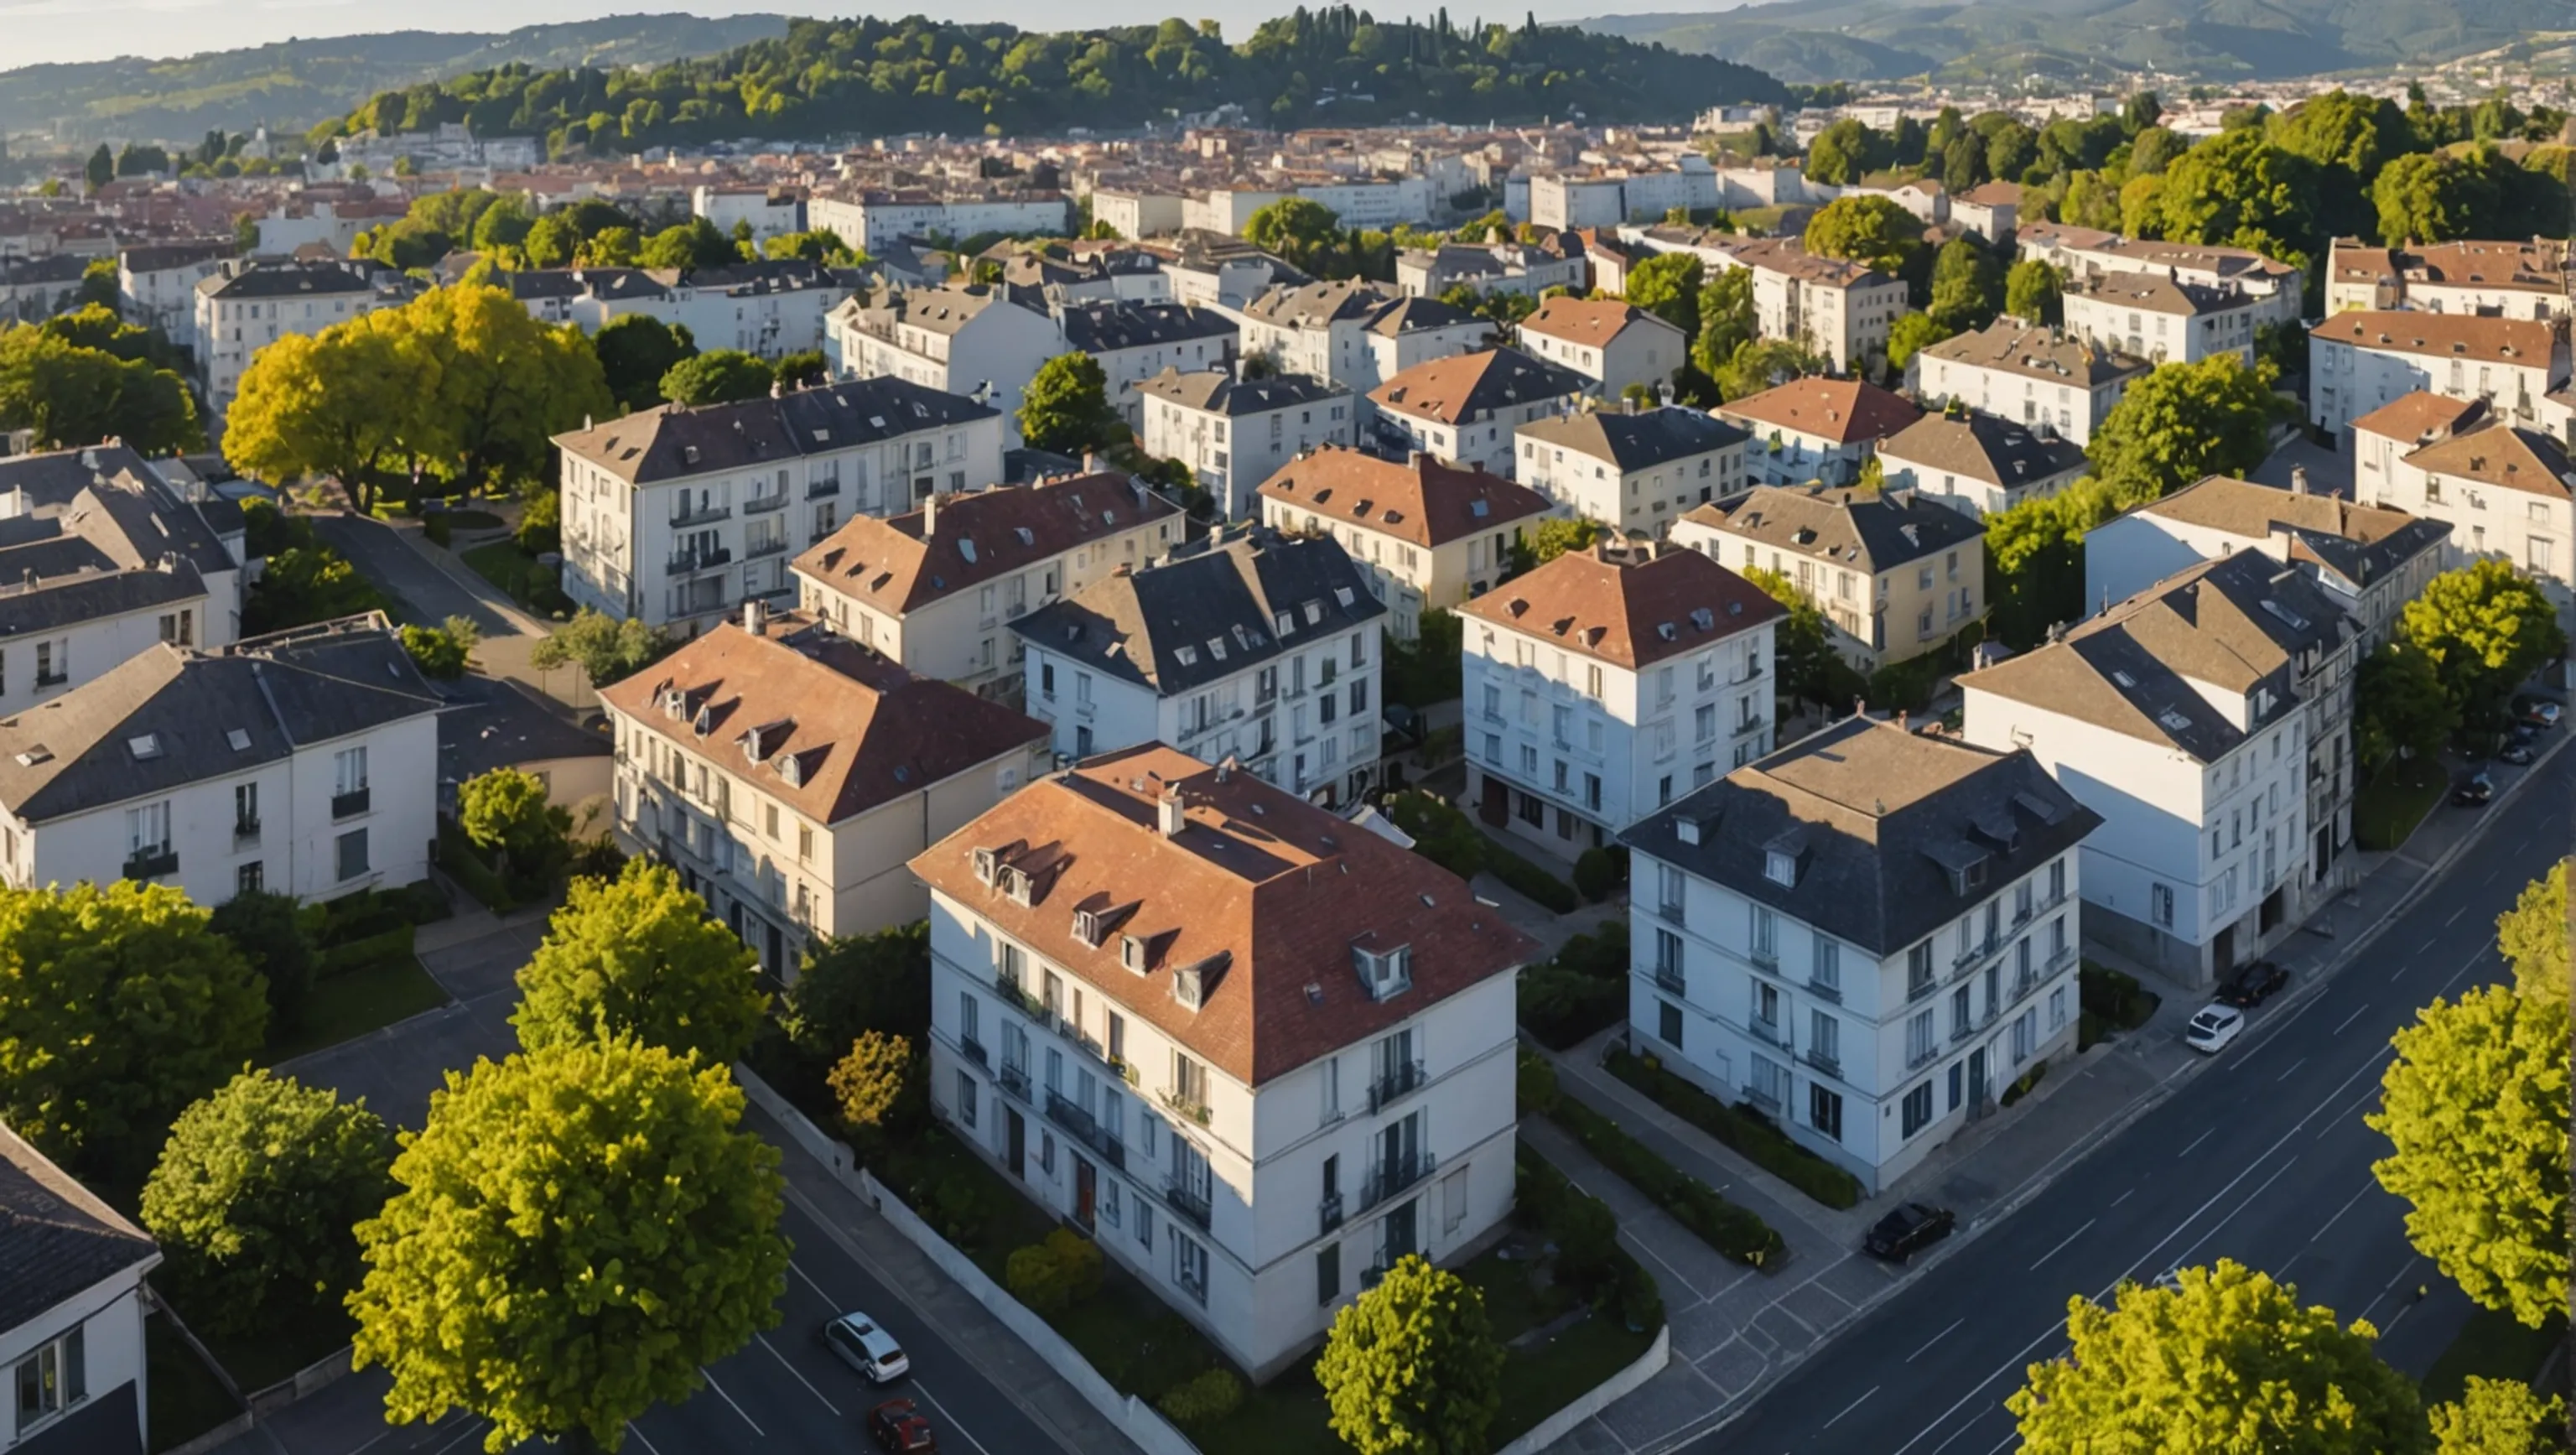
2395, 800
356, 1002
2492, 1346
186, 1398
515, 571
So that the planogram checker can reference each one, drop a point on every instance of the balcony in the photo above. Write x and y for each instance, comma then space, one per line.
1195, 1285
1187, 1106
681, 563
975, 1051
52, 679
1766, 956
1671, 913
1830, 1065
762, 504
1974, 951
1824, 991
1921, 989
1962, 1030
1771, 1031
1189, 1203
1328, 1213
350, 804
1403, 1080
245, 831
152, 863
770, 547
685, 516
1669, 980
1017, 996
1753, 724
1086, 1129
1392, 1175
1014, 1080
820, 489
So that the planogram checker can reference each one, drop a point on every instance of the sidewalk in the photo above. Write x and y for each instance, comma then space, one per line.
502, 655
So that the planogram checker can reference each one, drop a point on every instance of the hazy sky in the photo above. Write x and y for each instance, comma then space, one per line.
33, 31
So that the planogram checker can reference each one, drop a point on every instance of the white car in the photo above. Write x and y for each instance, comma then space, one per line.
2214, 1027
865, 1346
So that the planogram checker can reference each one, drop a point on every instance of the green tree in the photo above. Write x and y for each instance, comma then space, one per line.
2475, 1107
579, 1232
118, 1007
1842, 153
639, 956
1870, 230
1557, 535
502, 385
867, 1082
606, 648
2239, 190
635, 352
2140, 112
1066, 407
1667, 286
505, 812
101, 169
97, 285
1764, 363
1411, 1366
1911, 334
1299, 230
2033, 292
336, 404
1802, 644
268, 928
2226, 1363
851, 985
437, 652
2486, 628
694, 244
2400, 707
1726, 319
2500, 1417
2533, 935
551, 241
2035, 556
71, 395
256, 1197
2184, 422
1967, 285
2429, 197
719, 376
822, 245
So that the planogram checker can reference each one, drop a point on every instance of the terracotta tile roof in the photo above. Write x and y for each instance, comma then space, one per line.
1789, 257
2037, 351
1592, 321
1266, 895
1630, 607
2523, 343
1457, 390
1994, 194
1841, 410
1429, 502
1875, 531
2497, 454
816, 721
2420, 416
908, 561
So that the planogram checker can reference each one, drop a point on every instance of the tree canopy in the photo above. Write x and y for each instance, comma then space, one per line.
2399, 706
1066, 407
2500, 1417
606, 648
1869, 230
2486, 628
718, 376
639, 956
72, 394
2533, 936
2183, 422
1411, 1367
1667, 285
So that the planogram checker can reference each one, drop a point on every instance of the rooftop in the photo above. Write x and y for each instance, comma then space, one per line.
962, 540
1427, 502
1630, 606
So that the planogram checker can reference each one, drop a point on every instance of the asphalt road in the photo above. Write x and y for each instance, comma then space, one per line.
425, 592
2261, 1156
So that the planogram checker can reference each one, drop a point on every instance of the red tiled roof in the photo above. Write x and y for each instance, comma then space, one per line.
1594, 321
908, 561
1429, 502
2520, 342
1841, 410
1627, 607
2419, 416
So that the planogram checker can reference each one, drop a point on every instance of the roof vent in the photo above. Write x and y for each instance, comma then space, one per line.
144, 746
239, 739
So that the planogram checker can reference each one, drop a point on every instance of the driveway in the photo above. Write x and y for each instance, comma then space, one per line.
427, 594
398, 1067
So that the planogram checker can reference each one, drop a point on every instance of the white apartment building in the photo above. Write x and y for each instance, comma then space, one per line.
2177, 715
1841, 310
247, 305
789, 774
769, 212
1226, 210
71, 1330
1235, 433
770, 308
35, 289
1470, 407
1607, 683
2361, 361
674, 515
2080, 252
1991, 211
987, 342
1257, 1054
2521, 279
1633, 469
1977, 463
1136, 341
1816, 428
1353, 334
936, 588
1611, 343
1489, 268
1868, 934
1566, 201
1428, 534
304, 762
156, 286
1378, 203
2159, 320
2035, 374
1137, 214
1252, 646
1895, 575
2508, 493
873, 220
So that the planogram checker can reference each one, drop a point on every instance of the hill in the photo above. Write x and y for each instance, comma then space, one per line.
1814, 41
860, 76
294, 84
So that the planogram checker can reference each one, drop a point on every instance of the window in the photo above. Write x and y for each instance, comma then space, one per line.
965, 1100
250, 878
1668, 1023
52, 1379
1328, 1273
1825, 1110
147, 829
1918, 1038
1765, 936
1918, 1108
1145, 1219
2160, 900
1827, 972
1918, 969
349, 770
1189, 1266
2057, 1008
352, 854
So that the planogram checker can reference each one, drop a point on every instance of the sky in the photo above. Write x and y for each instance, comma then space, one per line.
36, 31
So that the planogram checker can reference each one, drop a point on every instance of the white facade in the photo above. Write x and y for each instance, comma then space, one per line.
768, 213
2066, 402
877, 219
71, 1358
239, 315
1640, 349
2358, 362
1643, 500
157, 288
2155, 320
992, 354
1230, 451
1138, 214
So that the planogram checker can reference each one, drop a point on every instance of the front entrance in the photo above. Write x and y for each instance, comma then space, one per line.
2275, 909
2222, 952
1494, 805
777, 957
1015, 1140
1086, 1191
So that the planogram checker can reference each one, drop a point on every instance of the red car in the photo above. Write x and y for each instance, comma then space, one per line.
898, 1427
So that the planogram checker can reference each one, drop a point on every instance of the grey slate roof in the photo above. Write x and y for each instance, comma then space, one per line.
674, 441
51, 268
1217, 391
495, 724
2361, 543
1105, 327
270, 278
2040, 352
1638, 440
1983, 447
97, 539
1885, 827
76, 752
1868, 530
156, 257
57, 1238
1216, 604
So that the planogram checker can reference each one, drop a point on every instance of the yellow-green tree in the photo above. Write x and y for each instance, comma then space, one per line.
2500, 1417
867, 1082
498, 384
1411, 1366
638, 956
2533, 935
339, 403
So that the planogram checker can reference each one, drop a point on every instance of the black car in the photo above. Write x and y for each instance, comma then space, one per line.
2474, 791
2517, 754
1909, 1230
2253, 984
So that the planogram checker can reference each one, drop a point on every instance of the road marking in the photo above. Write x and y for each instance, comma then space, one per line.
2214, 1228
800, 1378
2060, 1248
2195, 1143
2348, 1020
2295, 1065
737, 1407
471, 1427
2124, 1197
2339, 1212
2455, 916
1856, 1404
952, 1419
1935, 1339
810, 1283
638, 1433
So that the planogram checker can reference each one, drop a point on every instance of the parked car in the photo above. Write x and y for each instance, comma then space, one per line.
897, 1427
2538, 711
865, 1346
2253, 984
2213, 1028
2521, 734
2474, 791
1909, 1230
2518, 754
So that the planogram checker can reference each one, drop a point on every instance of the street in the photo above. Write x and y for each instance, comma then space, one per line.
2261, 1157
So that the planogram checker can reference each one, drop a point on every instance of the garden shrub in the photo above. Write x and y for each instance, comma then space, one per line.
1202, 1401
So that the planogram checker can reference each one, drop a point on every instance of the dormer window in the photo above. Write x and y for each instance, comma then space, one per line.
1383, 973
1088, 928
1780, 868
1016, 884
1131, 953
987, 864
1189, 986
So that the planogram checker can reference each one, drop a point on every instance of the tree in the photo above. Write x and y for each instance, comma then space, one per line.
579, 1231
822, 245
1967, 286
501, 384
2140, 112
1764, 363
851, 985
1411, 1366
1066, 407
2225, 1363
256, 1196
2500, 1417
437, 652
635, 352
1556, 535
267, 927
1842, 153
1667, 286
866, 1082
506, 812
1726, 319
2428, 197
2035, 556
2533, 935
1911, 334
71, 395
97, 285
2238, 190
1869, 230
2184, 422
719, 376
2475, 1107
2486, 628
2400, 707
1297, 229
118, 1007
638, 956
101, 168
606, 648
551, 241
338, 404
695, 244
2033, 292
1802, 644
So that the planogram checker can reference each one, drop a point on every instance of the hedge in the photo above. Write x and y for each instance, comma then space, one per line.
1731, 1230
357, 954
1449, 839
1747, 1132
457, 857
1582, 991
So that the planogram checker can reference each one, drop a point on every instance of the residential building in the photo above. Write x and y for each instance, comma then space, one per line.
2034, 374
2179, 715
871, 219
1991, 211
2360, 361
156, 286
71, 1327
1251, 645
788, 774
1611, 343
1566, 201
1219, 270
768, 211
1234, 433
1977, 463
2154, 318
1607, 683
1841, 310
1816, 428
2081, 252
1489, 268
936, 588
1256, 1054
245, 307
675, 514
1895, 574
1427, 534
1136, 341
770, 308
2519, 279
2507, 492
303, 762
1137, 213
1086, 272
1633, 469
1867, 935
1467, 408
1352, 334
979, 340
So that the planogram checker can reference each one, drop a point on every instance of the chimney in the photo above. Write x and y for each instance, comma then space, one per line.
1628, 404
929, 514
1900, 719
755, 616
1168, 817
2298, 479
